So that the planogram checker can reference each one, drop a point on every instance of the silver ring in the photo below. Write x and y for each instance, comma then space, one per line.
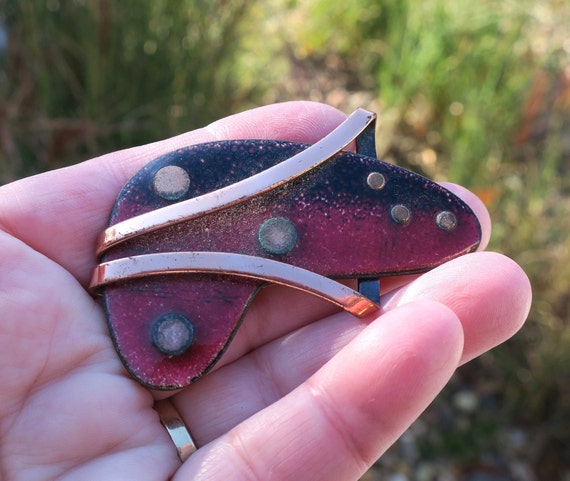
176, 428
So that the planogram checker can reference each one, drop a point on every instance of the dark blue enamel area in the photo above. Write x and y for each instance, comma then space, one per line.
210, 167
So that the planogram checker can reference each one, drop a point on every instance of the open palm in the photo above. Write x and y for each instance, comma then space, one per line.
304, 392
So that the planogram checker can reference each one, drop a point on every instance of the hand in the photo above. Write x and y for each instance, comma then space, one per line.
305, 392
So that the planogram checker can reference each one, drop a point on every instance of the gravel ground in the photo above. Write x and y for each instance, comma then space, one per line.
462, 437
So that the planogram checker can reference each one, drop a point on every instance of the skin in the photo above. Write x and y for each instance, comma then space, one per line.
305, 392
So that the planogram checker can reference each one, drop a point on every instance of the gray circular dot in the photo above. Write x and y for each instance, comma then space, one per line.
376, 180
446, 220
277, 235
172, 334
171, 182
401, 214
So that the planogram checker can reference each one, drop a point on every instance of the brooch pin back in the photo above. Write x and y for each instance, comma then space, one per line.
196, 233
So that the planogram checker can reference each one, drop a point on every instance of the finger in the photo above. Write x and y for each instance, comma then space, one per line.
335, 425
61, 213
265, 374
489, 293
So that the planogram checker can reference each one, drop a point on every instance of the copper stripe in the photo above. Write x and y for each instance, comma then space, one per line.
241, 191
234, 265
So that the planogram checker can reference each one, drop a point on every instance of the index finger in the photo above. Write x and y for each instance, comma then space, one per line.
61, 213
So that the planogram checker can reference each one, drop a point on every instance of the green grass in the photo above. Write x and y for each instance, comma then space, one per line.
81, 78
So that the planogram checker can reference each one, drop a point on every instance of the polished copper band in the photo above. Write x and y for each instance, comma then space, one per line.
240, 191
234, 265
177, 430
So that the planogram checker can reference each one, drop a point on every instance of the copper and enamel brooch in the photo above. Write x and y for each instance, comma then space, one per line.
196, 233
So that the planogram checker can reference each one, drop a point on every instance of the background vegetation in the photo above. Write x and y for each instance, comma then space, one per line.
473, 92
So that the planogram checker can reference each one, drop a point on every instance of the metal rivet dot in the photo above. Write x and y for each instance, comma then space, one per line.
401, 214
376, 180
277, 235
172, 334
171, 182
446, 220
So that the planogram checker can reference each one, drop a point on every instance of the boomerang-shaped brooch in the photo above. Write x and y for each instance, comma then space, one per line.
196, 233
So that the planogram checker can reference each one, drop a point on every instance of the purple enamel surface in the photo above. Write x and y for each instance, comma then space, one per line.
213, 305
344, 229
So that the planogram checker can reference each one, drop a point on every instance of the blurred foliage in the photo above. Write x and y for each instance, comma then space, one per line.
83, 77
472, 92
449, 74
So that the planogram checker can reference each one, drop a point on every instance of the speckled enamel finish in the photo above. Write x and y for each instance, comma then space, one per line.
344, 229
